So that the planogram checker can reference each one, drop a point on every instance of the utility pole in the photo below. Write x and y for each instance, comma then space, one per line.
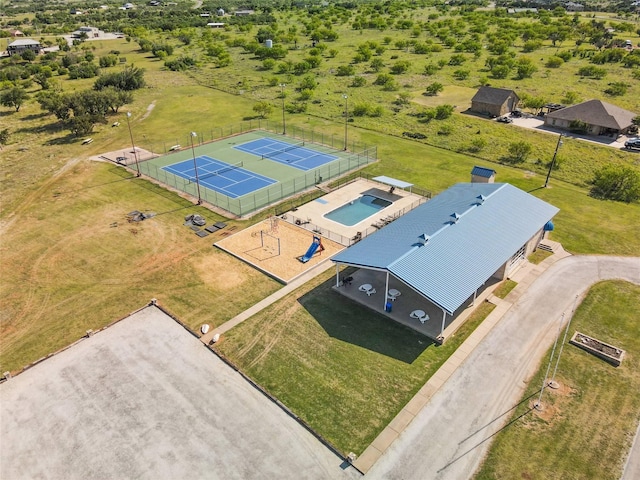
195, 167
553, 160
135, 153
284, 125
346, 118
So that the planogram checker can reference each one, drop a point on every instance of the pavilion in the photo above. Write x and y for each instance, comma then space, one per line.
448, 248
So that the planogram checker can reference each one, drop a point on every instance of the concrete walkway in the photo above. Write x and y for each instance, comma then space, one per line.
265, 302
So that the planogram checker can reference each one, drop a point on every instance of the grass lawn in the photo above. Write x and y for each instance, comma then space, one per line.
587, 425
73, 271
344, 369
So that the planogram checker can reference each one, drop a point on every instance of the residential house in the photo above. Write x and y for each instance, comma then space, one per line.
594, 116
18, 46
494, 101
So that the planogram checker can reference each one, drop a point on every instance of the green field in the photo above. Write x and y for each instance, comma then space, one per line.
67, 267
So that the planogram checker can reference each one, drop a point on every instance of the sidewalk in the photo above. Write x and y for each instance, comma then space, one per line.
265, 302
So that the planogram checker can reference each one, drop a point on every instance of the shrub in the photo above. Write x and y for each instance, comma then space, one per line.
617, 182
443, 111
461, 74
445, 130
592, 72
345, 70
578, 126
518, 152
554, 62
434, 89
358, 82
616, 89
401, 66
477, 144
360, 110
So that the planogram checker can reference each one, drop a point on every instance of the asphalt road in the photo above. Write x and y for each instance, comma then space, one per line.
450, 436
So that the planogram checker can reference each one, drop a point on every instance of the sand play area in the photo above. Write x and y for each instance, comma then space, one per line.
261, 249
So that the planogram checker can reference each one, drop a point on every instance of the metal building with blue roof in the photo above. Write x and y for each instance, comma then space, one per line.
447, 248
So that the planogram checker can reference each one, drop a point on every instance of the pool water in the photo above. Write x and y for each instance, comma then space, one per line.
357, 210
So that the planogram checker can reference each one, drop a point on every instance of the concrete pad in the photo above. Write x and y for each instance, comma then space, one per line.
145, 399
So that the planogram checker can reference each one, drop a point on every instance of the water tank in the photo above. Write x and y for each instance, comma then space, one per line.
268, 43
220, 12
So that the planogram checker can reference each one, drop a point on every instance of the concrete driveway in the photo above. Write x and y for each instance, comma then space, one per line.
450, 436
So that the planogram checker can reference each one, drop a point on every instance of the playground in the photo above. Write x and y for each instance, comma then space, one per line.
276, 248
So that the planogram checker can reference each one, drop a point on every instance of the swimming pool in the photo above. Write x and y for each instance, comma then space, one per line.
357, 210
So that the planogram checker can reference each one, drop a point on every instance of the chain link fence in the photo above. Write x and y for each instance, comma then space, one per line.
357, 157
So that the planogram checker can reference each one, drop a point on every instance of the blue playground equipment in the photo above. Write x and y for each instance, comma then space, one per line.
316, 246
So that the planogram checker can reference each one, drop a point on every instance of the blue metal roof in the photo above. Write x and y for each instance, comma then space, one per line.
482, 172
450, 246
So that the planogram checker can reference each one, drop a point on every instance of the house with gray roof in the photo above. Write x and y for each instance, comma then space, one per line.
494, 102
594, 117
445, 250
18, 46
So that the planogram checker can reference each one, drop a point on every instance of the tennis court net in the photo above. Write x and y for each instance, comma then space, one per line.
220, 171
283, 150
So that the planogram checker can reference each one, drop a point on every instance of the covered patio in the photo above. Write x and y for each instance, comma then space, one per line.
439, 326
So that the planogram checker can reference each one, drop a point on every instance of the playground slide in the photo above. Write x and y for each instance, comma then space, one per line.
312, 249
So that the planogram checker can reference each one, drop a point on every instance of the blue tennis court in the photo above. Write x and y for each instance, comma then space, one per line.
292, 154
229, 179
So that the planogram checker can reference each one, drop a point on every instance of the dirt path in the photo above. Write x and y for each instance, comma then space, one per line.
150, 108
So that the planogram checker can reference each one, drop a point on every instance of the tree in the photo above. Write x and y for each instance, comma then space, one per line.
401, 66
617, 182
263, 109
14, 97
131, 78
525, 68
4, 137
519, 151
444, 111
376, 65
28, 55
434, 89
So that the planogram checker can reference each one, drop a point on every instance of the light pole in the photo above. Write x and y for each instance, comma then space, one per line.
346, 117
135, 153
553, 161
284, 125
195, 167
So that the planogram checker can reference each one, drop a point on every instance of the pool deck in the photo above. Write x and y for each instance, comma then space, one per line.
313, 212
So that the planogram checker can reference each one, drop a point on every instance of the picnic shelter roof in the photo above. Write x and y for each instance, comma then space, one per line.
450, 246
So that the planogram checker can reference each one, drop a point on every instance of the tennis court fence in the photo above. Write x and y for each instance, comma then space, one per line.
334, 141
273, 194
